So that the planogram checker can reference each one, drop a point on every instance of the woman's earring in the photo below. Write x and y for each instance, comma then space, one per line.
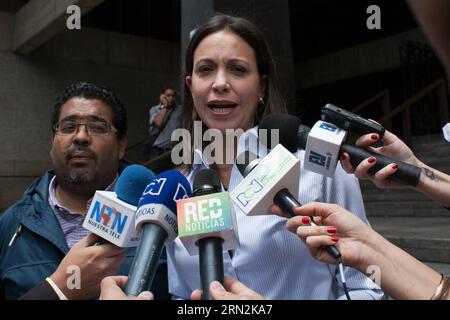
261, 100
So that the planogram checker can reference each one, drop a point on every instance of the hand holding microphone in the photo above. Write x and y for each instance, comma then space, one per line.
231, 289
280, 195
324, 144
111, 215
109, 218
392, 147
111, 289
93, 263
333, 226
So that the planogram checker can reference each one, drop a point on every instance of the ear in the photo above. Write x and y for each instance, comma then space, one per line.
52, 141
188, 81
122, 147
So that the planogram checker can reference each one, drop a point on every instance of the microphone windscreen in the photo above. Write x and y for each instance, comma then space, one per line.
132, 183
287, 125
206, 181
165, 189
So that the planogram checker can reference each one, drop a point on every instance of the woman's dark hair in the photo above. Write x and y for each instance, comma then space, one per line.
88, 90
273, 99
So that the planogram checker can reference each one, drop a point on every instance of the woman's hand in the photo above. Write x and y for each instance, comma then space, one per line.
335, 226
393, 148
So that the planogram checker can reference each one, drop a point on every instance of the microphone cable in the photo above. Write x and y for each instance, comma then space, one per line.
336, 255
344, 282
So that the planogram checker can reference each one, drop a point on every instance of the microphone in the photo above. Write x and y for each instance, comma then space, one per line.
111, 214
156, 221
207, 226
324, 144
264, 178
249, 162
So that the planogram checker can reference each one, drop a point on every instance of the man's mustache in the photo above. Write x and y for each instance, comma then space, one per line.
80, 152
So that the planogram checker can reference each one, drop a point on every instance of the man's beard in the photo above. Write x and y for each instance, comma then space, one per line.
78, 176
79, 181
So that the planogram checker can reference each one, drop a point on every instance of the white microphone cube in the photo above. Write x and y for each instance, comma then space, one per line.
112, 219
279, 169
322, 148
207, 216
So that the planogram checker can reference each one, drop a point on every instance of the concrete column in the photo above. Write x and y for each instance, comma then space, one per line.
6, 27
272, 17
193, 13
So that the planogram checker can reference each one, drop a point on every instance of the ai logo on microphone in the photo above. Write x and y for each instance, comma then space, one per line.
319, 159
155, 187
327, 126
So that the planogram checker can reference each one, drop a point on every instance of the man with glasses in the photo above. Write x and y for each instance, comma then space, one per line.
42, 242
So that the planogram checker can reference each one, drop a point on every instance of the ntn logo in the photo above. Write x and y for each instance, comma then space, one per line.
109, 216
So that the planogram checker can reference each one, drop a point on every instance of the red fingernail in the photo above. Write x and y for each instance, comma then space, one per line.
335, 238
374, 137
331, 230
371, 160
394, 166
306, 220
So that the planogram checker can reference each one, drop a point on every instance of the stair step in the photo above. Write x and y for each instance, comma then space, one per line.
386, 195
418, 141
427, 239
405, 209
439, 267
427, 144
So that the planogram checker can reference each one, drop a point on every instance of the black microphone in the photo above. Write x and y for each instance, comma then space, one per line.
322, 153
248, 161
207, 182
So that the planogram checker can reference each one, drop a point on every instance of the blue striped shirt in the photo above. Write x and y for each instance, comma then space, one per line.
271, 260
71, 222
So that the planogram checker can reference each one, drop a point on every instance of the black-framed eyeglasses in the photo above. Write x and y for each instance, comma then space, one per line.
95, 128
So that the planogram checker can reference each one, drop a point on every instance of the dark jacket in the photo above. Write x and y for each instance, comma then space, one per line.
32, 244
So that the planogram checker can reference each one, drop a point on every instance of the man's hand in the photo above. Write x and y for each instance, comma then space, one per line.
163, 100
112, 289
231, 290
95, 262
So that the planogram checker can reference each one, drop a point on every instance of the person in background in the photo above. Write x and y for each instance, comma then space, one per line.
164, 118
